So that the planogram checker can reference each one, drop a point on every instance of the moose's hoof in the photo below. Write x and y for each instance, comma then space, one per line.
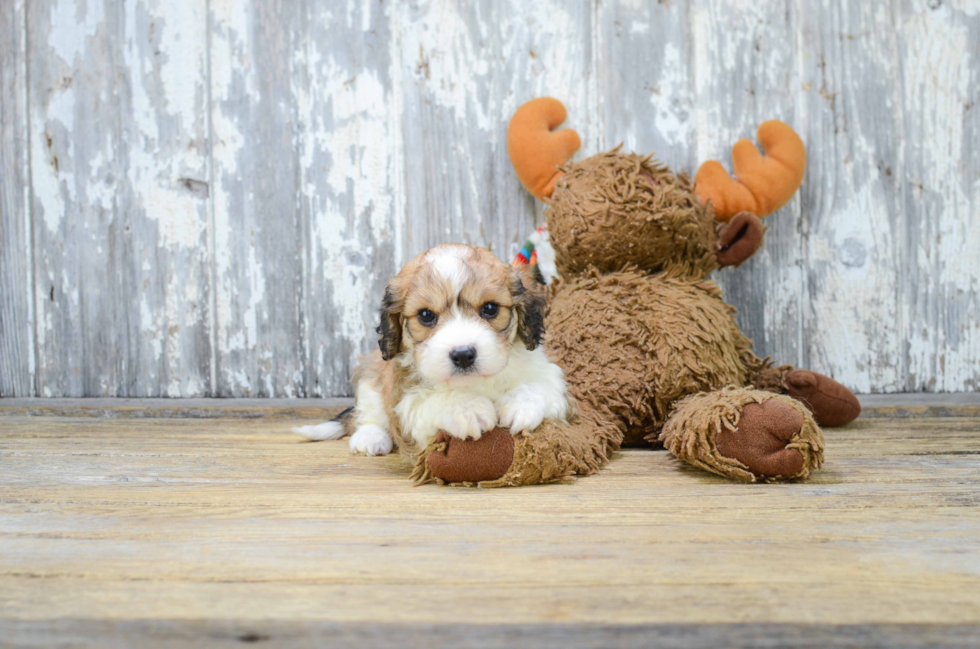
830, 402
764, 431
472, 460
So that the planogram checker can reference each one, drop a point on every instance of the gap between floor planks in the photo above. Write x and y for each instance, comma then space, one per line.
965, 404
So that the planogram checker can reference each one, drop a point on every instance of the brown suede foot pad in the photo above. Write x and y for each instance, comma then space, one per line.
830, 402
472, 460
764, 430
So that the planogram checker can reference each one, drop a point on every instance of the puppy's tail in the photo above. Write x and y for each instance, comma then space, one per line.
333, 429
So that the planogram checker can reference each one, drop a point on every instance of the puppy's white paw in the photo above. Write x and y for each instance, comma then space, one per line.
370, 440
523, 408
326, 430
469, 419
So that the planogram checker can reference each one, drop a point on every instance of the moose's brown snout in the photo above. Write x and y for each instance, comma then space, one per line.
739, 239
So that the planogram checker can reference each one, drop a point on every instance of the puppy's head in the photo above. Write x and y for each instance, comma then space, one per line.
456, 311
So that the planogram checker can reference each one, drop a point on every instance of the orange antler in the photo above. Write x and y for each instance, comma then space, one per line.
536, 151
762, 184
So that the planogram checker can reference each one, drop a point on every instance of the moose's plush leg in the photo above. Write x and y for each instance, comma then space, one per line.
552, 452
760, 373
830, 402
744, 434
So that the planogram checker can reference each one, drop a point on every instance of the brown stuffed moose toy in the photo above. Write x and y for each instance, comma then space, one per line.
651, 352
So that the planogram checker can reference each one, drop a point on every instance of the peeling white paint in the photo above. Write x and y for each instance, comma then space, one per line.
356, 143
150, 328
53, 181
967, 7
72, 24
848, 338
359, 177
937, 79
230, 63
673, 124
400, 114
442, 50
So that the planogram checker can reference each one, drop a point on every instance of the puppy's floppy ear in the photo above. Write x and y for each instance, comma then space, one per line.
390, 329
530, 304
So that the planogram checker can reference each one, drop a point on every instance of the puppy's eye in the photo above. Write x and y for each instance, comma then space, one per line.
427, 318
489, 310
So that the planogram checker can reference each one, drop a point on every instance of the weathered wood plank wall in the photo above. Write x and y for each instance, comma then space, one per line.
16, 281
207, 198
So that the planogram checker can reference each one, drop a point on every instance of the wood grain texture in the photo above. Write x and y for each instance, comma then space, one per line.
191, 634
16, 295
216, 193
921, 404
646, 74
162, 522
118, 96
853, 252
264, 408
465, 69
939, 45
351, 168
257, 181
746, 52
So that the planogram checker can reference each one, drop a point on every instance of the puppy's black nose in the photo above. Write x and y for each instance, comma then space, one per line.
463, 357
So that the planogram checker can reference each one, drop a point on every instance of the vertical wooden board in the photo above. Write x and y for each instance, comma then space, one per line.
463, 69
349, 166
16, 294
939, 43
646, 79
384, 184
745, 72
545, 49
258, 233
349, 136
851, 198
118, 164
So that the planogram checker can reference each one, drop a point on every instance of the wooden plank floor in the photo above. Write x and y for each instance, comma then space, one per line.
184, 532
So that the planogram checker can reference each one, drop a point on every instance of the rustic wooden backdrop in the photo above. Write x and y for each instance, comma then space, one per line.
206, 197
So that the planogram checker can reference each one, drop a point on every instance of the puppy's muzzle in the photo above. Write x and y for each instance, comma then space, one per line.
463, 357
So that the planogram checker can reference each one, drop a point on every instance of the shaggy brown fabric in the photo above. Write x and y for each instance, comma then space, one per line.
471, 460
651, 352
761, 373
553, 452
617, 209
830, 402
692, 432
632, 344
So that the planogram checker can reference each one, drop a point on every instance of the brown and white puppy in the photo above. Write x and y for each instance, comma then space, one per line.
460, 351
